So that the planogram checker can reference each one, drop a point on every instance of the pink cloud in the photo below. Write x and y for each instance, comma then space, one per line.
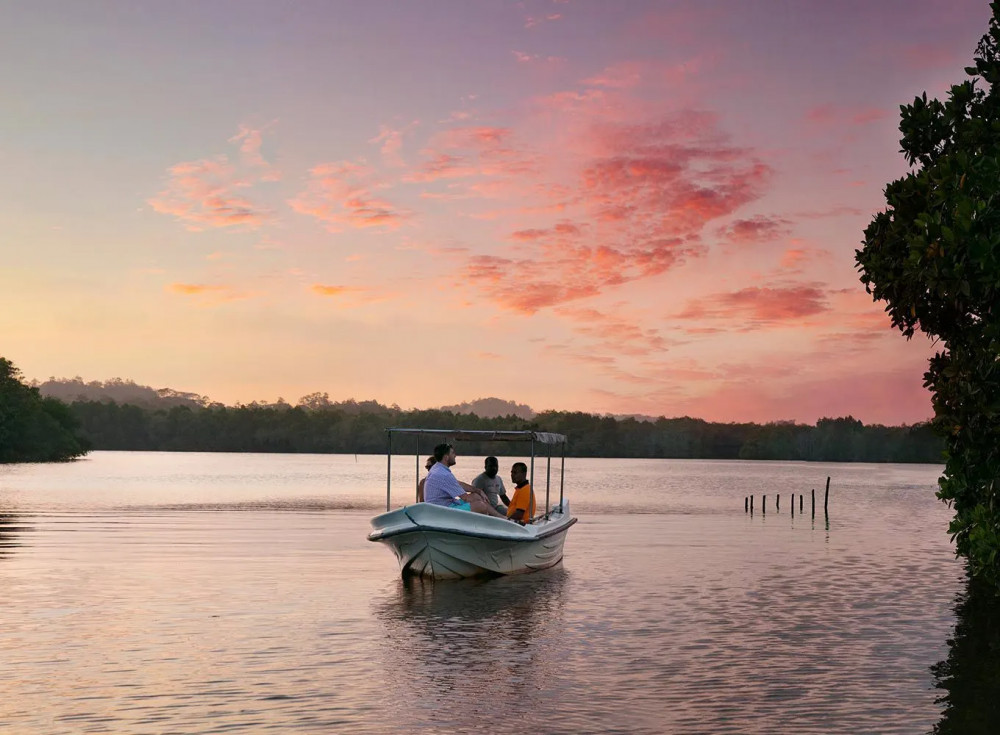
888, 397
472, 152
476, 137
831, 313
832, 212
681, 185
391, 140
562, 229
821, 114
817, 378
341, 195
189, 289
828, 114
621, 75
211, 293
251, 140
929, 56
756, 229
648, 191
442, 166
322, 290
571, 102
624, 75
755, 306
350, 297
535, 21
458, 116
202, 194
611, 334
585, 358
869, 114
793, 257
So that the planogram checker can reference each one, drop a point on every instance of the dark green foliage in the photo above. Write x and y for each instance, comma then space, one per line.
32, 428
351, 427
934, 257
970, 677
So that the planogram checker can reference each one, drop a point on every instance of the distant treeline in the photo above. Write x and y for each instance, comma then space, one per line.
353, 427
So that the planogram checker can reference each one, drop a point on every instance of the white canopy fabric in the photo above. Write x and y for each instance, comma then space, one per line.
544, 437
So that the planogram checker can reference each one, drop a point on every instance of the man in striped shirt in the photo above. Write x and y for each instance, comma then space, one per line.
444, 489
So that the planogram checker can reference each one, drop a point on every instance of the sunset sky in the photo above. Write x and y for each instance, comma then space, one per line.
623, 207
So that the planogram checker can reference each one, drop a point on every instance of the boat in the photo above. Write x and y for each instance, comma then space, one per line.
446, 543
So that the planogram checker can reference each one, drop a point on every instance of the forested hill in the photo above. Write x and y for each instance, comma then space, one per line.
118, 390
492, 408
353, 427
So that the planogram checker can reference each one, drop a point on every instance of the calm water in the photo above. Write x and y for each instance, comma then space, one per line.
183, 593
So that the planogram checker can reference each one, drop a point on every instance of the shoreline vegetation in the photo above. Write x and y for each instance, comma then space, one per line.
34, 428
60, 420
933, 256
359, 428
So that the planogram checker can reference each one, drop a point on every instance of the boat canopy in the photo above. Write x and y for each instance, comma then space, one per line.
544, 437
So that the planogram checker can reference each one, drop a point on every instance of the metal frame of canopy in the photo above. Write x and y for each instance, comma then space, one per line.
543, 437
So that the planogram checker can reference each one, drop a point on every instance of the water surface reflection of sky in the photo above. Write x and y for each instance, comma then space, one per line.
188, 592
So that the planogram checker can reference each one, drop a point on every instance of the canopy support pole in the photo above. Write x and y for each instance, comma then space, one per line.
388, 472
548, 478
532, 480
562, 476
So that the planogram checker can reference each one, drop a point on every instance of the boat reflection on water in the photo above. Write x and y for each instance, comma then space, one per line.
970, 676
477, 648
12, 526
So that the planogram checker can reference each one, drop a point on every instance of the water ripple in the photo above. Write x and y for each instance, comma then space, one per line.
148, 605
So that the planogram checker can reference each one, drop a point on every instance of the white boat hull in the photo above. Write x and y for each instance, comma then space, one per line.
444, 543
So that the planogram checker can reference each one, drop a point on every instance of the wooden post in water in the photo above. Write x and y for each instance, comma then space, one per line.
746, 504
763, 504
800, 502
814, 502
793, 505
751, 505
826, 497
777, 502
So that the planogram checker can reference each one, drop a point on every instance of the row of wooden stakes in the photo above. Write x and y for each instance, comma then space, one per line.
748, 502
